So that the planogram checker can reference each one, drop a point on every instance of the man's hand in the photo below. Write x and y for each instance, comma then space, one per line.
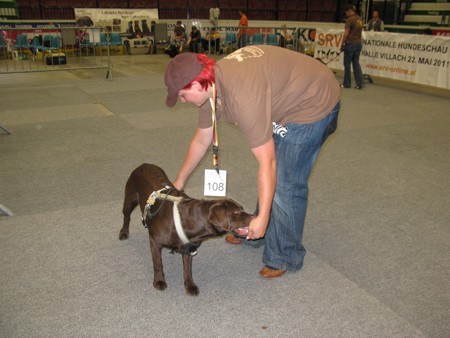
257, 228
178, 184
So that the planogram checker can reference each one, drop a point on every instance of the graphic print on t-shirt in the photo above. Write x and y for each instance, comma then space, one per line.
245, 53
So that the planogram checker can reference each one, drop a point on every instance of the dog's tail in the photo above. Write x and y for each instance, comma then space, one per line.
131, 199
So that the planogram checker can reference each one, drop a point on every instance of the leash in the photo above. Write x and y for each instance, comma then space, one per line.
215, 146
188, 247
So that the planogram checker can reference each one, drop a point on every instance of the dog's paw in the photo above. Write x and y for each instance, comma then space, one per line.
192, 290
160, 285
123, 235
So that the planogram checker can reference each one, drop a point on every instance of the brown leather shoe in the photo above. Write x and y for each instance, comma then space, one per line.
271, 273
232, 239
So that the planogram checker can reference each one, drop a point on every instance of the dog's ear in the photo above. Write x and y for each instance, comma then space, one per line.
218, 214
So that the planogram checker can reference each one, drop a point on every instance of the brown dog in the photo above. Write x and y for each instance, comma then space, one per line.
200, 219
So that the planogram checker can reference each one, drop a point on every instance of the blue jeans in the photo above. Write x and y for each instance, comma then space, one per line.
296, 153
243, 40
193, 47
352, 51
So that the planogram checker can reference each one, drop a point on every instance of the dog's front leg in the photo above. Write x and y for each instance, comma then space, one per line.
189, 285
159, 281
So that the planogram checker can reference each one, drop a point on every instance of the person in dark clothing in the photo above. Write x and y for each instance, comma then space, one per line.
194, 40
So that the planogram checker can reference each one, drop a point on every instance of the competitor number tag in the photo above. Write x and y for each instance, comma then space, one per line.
215, 184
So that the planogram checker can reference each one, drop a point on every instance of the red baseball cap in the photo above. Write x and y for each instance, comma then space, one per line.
181, 70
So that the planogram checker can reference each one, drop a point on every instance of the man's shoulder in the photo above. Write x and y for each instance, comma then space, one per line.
356, 20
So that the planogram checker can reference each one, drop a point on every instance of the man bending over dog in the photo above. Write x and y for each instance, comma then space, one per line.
286, 104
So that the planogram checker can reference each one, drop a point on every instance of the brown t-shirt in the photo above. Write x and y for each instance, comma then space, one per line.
258, 85
355, 24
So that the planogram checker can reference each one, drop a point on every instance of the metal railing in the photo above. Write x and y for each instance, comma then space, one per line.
25, 50
230, 42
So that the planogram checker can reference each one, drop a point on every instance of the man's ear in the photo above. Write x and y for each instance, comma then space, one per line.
196, 86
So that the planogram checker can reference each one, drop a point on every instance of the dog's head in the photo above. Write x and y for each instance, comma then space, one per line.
227, 215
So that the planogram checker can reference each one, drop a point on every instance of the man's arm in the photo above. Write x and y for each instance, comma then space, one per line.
197, 148
344, 39
267, 177
180, 34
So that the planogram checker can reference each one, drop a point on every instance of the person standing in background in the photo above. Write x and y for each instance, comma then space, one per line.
375, 24
352, 46
242, 32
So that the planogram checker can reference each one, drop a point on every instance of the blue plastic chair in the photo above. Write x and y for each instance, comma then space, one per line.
230, 38
56, 42
2, 44
103, 39
272, 39
230, 42
37, 43
21, 42
47, 41
51, 42
257, 39
115, 39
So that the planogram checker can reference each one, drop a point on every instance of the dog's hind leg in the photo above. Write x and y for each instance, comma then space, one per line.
130, 202
159, 281
189, 285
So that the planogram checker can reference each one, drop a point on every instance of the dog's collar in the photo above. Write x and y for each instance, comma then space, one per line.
161, 196
188, 248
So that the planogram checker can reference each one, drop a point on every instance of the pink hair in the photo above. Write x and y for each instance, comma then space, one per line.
206, 78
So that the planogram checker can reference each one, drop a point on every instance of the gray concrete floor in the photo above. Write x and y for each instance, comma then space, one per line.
377, 232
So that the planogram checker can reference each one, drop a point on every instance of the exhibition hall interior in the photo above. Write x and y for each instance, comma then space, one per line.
83, 104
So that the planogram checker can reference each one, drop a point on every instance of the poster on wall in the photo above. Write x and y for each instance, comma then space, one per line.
422, 59
117, 19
